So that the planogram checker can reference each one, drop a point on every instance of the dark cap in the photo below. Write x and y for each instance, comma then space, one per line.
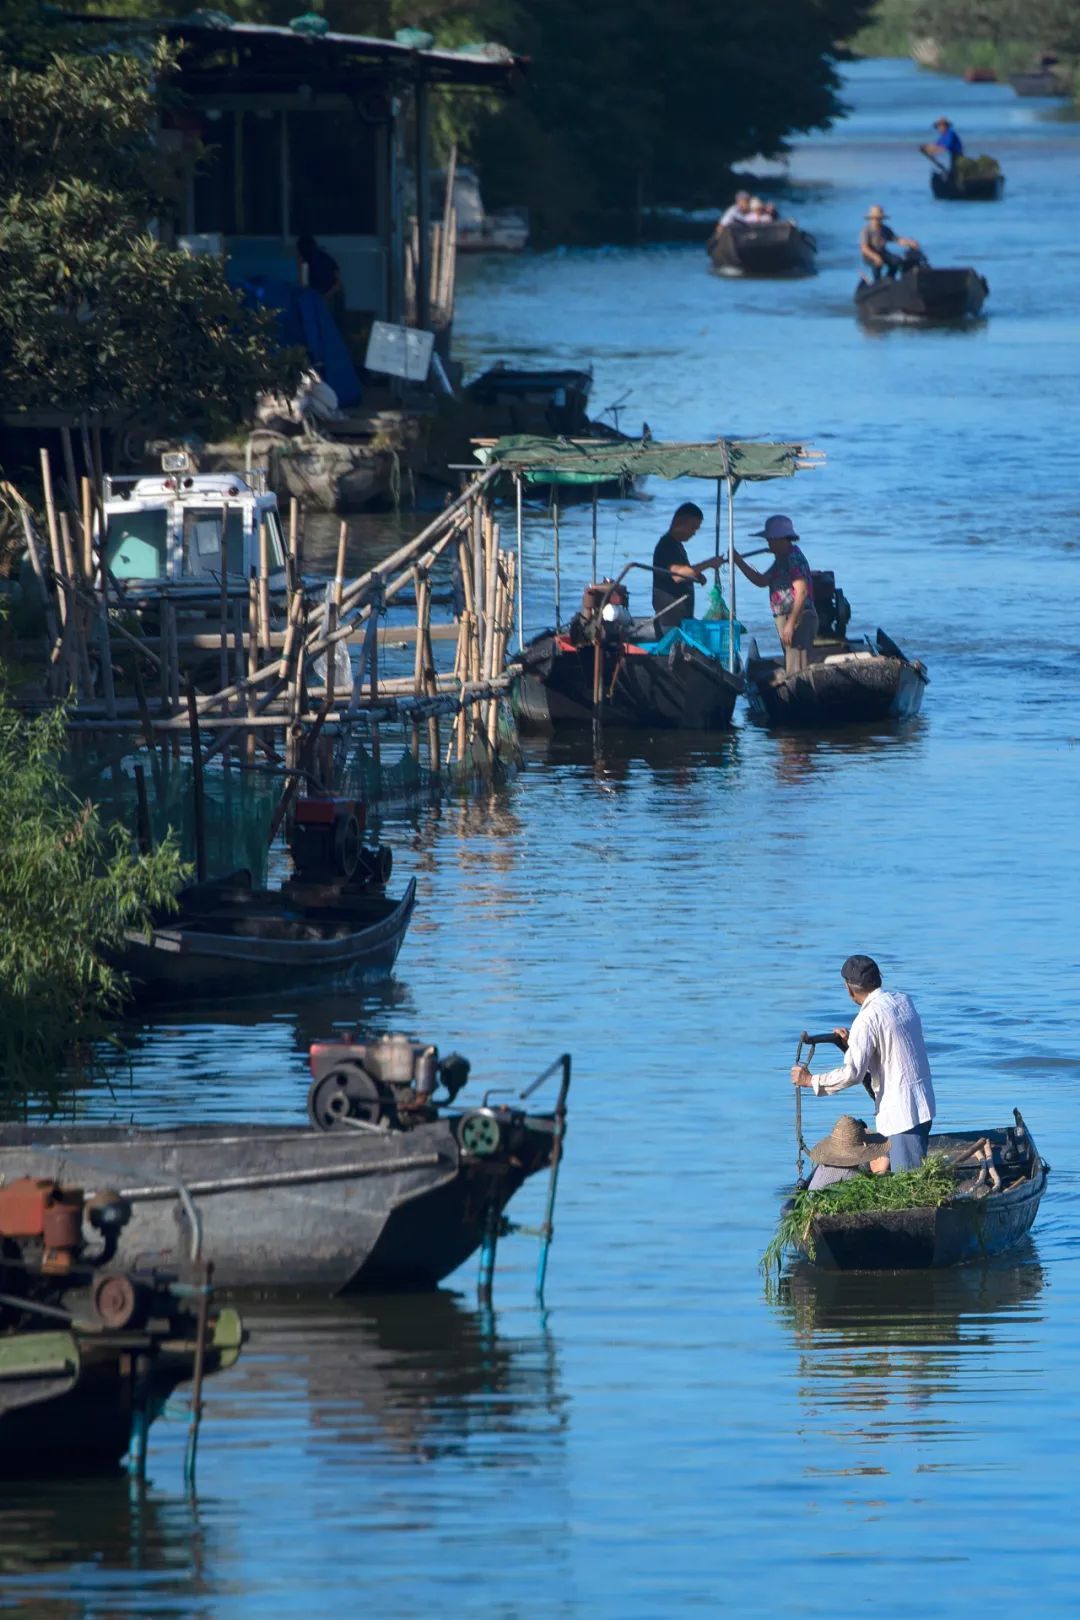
861, 972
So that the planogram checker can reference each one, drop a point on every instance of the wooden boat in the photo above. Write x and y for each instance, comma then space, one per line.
384, 1192
684, 688
922, 294
967, 188
1042, 82
68, 1400
777, 249
845, 681
230, 939
991, 1212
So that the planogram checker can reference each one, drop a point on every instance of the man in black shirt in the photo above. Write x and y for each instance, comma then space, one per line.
673, 587
323, 275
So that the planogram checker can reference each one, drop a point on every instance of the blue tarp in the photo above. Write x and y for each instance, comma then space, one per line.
708, 636
305, 322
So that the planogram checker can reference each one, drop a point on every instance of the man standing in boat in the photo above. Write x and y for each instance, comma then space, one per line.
791, 591
947, 147
885, 1044
674, 574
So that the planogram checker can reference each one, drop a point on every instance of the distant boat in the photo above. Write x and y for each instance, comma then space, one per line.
778, 249
1042, 82
506, 231
922, 294
994, 1209
967, 187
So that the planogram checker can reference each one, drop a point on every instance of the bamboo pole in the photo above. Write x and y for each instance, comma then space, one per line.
252, 653
72, 486
55, 553
76, 618
197, 786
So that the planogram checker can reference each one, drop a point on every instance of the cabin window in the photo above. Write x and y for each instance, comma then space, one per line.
136, 545
277, 546
202, 541
332, 174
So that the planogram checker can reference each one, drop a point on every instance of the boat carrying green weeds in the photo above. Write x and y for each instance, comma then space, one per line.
925, 1188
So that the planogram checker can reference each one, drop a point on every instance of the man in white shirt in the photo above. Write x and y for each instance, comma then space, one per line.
885, 1043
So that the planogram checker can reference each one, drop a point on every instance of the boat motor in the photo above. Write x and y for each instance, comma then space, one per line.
832, 606
388, 1083
327, 848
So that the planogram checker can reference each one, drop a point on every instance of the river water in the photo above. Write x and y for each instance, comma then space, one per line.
670, 1437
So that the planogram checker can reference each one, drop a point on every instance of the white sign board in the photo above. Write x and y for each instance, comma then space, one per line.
399, 351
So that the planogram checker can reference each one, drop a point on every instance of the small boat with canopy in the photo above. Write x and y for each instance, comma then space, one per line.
605, 664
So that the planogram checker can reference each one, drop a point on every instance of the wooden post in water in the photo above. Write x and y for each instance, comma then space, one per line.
88, 534
142, 813
198, 797
252, 654
264, 587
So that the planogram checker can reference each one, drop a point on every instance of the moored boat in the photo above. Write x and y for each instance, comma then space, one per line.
594, 671
383, 1189
1000, 1180
845, 682
332, 920
921, 293
780, 248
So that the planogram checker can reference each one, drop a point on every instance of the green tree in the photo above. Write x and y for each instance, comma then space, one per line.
96, 313
69, 886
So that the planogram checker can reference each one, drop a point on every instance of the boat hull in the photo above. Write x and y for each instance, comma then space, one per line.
763, 250
985, 188
680, 690
263, 947
922, 294
290, 1209
966, 1228
844, 689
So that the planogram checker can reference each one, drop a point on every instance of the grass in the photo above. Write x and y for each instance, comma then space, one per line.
925, 1188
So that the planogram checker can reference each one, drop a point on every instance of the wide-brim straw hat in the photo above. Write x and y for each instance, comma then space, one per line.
875, 211
849, 1144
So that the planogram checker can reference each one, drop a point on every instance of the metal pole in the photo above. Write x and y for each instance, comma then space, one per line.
592, 576
558, 582
487, 1255
521, 564
547, 1231
716, 547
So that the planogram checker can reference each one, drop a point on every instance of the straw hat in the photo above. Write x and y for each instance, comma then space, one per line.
875, 211
849, 1144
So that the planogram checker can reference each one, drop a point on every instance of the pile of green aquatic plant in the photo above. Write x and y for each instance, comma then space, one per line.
69, 886
925, 1188
977, 168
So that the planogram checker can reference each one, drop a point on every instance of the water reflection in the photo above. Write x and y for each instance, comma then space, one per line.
418, 1376
797, 756
615, 755
887, 1347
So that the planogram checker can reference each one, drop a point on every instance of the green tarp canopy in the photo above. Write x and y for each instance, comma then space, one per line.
598, 461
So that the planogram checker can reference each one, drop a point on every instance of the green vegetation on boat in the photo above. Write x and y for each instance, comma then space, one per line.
925, 1188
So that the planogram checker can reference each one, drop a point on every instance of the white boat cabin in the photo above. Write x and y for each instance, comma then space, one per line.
178, 531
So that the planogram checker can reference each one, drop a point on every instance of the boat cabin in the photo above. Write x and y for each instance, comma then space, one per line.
180, 530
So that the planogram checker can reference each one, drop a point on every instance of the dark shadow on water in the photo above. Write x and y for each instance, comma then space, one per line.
421, 1375
871, 1342
615, 755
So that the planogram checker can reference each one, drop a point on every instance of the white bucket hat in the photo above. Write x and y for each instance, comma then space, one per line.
776, 528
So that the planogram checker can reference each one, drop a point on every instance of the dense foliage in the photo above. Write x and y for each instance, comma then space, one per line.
925, 1188
68, 888
1006, 34
95, 314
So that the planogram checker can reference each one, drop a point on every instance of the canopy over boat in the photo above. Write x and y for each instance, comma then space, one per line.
586, 461
562, 461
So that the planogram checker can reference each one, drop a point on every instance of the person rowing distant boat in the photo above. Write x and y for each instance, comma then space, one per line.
947, 147
675, 576
738, 213
885, 1043
875, 241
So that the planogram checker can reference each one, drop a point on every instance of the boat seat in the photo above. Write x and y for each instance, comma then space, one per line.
845, 657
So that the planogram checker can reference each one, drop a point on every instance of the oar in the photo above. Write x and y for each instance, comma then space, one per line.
798, 1112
